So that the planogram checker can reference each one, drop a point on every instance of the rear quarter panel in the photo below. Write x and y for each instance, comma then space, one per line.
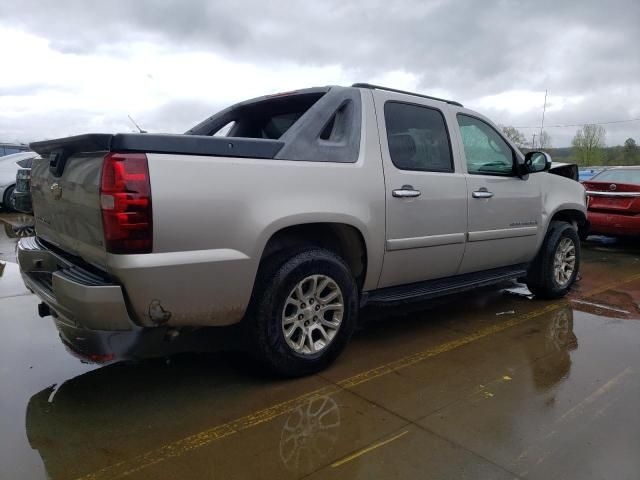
213, 217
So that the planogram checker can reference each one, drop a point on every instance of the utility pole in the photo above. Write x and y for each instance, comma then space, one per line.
544, 109
533, 142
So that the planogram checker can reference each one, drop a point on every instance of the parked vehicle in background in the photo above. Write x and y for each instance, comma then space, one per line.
614, 201
587, 173
8, 170
11, 148
22, 190
313, 203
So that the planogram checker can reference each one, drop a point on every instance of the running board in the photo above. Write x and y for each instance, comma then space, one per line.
444, 286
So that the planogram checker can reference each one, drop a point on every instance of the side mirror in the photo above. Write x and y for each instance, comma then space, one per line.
537, 162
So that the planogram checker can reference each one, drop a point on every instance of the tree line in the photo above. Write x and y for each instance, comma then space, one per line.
587, 149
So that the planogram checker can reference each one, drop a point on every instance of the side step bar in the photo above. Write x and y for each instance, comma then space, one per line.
445, 286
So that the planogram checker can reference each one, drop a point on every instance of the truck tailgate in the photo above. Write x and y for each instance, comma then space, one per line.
67, 207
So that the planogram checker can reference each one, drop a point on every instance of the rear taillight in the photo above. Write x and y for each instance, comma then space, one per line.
125, 200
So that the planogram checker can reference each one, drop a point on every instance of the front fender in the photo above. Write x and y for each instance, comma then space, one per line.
562, 198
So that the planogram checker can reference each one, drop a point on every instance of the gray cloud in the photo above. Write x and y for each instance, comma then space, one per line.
469, 48
469, 45
177, 116
41, 126
30, 89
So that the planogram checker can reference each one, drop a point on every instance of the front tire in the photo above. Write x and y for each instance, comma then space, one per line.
555, 268
303, 311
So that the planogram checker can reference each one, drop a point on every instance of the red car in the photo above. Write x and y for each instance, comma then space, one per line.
614, 201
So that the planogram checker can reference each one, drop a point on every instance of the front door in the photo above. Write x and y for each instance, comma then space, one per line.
426, 204
504, 209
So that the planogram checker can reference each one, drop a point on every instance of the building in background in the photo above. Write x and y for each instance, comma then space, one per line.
9, 148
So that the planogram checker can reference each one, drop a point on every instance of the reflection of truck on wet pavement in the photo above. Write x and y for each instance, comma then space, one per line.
287, 213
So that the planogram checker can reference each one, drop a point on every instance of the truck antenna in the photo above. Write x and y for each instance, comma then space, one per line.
137, 126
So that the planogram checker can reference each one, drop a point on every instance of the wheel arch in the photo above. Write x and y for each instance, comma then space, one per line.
344, 239
575, 217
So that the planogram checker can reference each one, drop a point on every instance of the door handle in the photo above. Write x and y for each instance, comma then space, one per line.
407, 191
482, 193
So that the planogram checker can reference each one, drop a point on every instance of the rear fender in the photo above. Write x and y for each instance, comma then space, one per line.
374, 255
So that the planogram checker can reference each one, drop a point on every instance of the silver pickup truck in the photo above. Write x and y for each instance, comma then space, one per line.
287, 213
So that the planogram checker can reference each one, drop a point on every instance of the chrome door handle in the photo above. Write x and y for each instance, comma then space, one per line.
482, 193
407, 191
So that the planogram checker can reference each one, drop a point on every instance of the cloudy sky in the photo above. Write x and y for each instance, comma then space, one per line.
70, 67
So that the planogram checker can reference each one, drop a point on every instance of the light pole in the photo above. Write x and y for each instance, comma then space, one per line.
544, 109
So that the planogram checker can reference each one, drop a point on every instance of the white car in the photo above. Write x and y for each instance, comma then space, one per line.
8, 170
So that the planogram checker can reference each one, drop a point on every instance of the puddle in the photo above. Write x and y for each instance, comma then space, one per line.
503, 376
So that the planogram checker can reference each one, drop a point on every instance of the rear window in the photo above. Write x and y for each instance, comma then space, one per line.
268, 117
25, 163
631, 176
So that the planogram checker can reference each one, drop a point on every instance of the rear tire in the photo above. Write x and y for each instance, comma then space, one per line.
303, 311
555, 268
8, 202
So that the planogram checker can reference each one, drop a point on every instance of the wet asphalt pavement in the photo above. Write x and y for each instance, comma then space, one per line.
490, 384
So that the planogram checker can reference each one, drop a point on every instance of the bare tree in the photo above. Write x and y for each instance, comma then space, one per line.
588, 143
515, 135
544, 140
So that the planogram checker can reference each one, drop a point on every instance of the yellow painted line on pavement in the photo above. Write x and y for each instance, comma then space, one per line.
201, 439
604, 389
543, 447
610, 285
368, 449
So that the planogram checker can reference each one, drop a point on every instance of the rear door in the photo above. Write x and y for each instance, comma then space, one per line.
505, 211
426, 205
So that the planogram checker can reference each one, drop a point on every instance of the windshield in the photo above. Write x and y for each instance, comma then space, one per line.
25, 162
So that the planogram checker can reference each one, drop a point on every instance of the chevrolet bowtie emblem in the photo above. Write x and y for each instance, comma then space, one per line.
56, 191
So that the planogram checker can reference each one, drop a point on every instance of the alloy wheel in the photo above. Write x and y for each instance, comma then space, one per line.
312, 314
564, 262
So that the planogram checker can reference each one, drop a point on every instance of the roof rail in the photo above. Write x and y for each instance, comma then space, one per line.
378, 87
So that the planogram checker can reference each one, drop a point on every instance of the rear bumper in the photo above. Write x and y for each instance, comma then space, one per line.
614, 224
103, 346
78, 298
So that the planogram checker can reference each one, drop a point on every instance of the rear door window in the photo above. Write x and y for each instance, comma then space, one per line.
417, 137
